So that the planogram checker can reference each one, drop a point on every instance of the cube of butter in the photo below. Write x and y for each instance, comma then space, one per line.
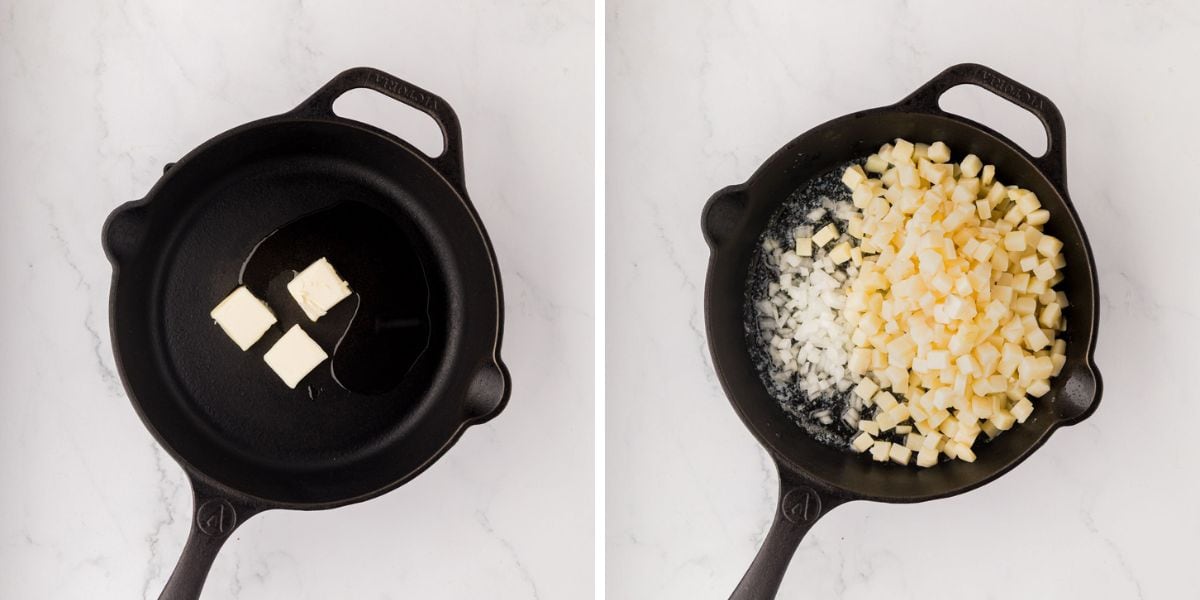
294, 356
318, 288
243, 317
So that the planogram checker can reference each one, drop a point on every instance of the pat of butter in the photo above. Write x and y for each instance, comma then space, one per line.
294, 356
243, 317
318, 288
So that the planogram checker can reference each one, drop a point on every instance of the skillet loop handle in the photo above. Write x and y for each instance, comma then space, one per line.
800, 505
449, 163
215, 514
1053, 162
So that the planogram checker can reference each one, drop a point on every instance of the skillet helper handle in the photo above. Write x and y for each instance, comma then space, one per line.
800, 505
214, 517
449, 163
1053, 162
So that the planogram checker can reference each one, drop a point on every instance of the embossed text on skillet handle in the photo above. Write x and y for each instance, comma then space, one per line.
216, 513
799, 507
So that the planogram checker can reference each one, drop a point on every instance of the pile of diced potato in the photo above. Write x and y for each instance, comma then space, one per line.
954, 314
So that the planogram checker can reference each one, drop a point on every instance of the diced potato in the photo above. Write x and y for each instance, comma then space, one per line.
971, 165
868, 426
880, 451
841, 253
853, 176
804, 246
1049, 246
1044, 270
1002, 420
876, 164
1038, 388
1022, 409
1036, 340
885, 401
1014, 242
1038, 217
866, 388
885, 421
951, 307
902, 151
939, 152
1050, 315
1024, 305
914, 441
1028, 262
862, 442
1028, 202
827, 234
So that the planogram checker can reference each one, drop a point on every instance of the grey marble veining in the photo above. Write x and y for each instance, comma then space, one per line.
700, 93
94, 98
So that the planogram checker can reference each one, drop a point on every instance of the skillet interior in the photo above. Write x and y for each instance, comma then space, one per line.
826, 146
223, 412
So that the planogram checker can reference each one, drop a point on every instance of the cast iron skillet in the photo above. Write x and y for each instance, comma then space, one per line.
815, 478
247, 442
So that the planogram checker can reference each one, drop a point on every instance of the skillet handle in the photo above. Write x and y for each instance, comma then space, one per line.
1053, 162
215, 514
800, 505
449, 163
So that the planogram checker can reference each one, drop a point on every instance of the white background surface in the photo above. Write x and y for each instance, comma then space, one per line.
94, 98
699, 96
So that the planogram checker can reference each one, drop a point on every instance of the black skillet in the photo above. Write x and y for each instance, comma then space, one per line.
424, 328
815, 478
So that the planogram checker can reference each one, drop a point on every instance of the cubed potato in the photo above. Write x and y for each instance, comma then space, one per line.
1028, 202
1014, 242
1028, 263
927, 457
1038, 217
1038, 388
827, 234
1022, 410
863, 442
885, 401
1049, 246
868, 426
876, 164
1050, 315
841, 253
1002, 420
1044, 270
971, 165
853, 176
866, 389
939, 152
1036, 340
880, 451
899, 454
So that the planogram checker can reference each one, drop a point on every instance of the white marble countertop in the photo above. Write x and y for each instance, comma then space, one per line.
699, 94
96, 97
